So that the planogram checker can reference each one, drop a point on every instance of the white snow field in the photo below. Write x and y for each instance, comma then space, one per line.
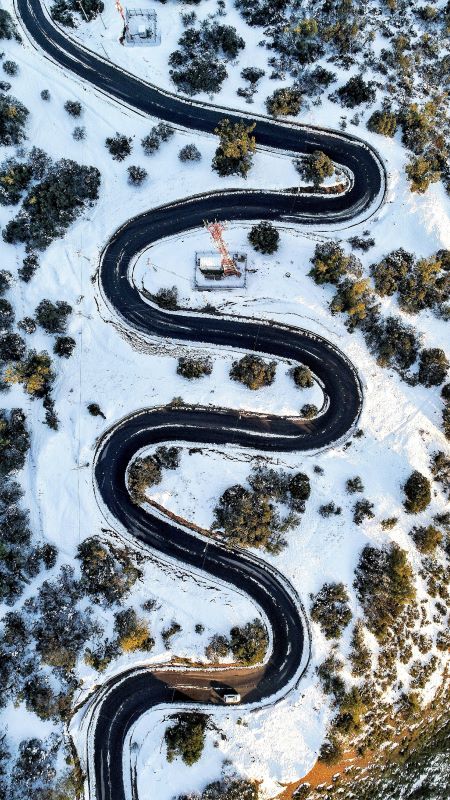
276, 744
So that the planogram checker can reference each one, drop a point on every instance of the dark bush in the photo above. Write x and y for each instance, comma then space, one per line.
383, 122
391, 270
426, 538
143, 473
166, 298
7, 26
189, 153
53, 204
264, 237
14, 179
433, 366
354, 485
197, 66
356, 91
302, 377
190, 367
6, 315
309, 411
158, 134
330, 609
11, 68
79, 133
119, 146
95, 410
249, 644
362, 510
64, 346
13, 116
418, 493
136, 175
53, 316
384, 585
107, 572
186, 738
330, 263
73, 107
12, 347
29, 266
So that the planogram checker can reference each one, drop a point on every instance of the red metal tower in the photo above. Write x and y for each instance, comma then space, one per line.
216, 230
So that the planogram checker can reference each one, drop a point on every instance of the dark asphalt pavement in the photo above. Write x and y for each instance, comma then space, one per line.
123, 699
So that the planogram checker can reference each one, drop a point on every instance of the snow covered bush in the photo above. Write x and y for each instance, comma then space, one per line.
52, 317
330, 609
190, 367
384, 584
13, 116
198, 65
119, 146
53, 204
136, 175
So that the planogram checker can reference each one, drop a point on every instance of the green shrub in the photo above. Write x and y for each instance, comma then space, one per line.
253, 372
186, 738
234, 154
418, 493
330, 609
264, 237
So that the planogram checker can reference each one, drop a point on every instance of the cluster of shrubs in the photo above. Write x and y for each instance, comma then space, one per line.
384, 585
42, 641
147, 471
252, 517
419, 285
315, 167
29, 368
13, 118
330, 609
394, 342
247, 644
57, 194
199, 63
35, 770
228, 788
343, 35
63, 11
21, 559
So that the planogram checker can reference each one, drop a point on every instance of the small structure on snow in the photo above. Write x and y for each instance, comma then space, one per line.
141, 27
211, 267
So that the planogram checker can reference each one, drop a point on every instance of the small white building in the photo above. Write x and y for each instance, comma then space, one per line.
141, 27
209, 272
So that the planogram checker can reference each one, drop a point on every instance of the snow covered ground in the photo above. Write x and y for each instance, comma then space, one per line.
401, 424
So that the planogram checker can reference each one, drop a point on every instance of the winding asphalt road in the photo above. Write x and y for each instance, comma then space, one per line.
122, 700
